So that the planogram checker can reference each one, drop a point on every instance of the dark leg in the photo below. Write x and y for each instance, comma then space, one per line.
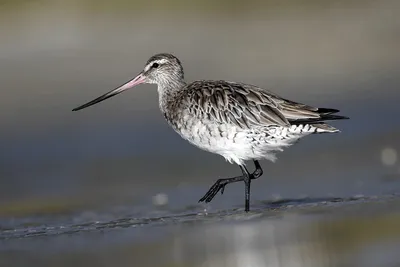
220, 184
258, 172
247, 179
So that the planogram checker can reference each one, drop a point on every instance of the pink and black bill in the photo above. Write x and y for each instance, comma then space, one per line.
137, 80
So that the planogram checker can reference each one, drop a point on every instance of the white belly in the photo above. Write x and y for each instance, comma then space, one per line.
234, 143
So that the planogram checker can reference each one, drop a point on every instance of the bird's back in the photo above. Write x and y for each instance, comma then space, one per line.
248, 106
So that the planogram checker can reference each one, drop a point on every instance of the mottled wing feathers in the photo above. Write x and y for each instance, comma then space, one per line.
227, 102
246, 105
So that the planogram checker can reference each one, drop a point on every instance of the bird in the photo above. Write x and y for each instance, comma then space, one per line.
239, 121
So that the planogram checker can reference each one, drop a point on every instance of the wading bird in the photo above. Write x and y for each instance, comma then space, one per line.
238, 121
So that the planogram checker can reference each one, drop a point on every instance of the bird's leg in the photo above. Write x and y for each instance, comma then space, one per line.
247, 181
220, 184
258, 171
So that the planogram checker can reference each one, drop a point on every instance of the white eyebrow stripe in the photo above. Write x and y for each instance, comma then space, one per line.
159, 61
162, 61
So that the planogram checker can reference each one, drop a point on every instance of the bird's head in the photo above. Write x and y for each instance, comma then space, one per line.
165, 70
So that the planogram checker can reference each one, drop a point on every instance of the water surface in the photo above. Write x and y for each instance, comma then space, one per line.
114, 185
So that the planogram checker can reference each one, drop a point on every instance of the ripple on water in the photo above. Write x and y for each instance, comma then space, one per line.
194, 215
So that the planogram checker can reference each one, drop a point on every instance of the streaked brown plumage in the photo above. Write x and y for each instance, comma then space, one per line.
238, 121
247, 106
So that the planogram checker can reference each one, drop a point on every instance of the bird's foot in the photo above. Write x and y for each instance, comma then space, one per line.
215, 188
219, 185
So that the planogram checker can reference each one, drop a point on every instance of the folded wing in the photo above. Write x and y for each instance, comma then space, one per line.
248, 106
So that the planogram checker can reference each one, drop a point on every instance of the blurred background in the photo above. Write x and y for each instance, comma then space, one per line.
94, 186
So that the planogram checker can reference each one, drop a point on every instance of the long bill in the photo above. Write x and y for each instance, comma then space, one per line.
137, 80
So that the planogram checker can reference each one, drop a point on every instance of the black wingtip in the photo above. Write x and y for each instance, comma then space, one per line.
327, 111
334, 117
323, 117
327, 114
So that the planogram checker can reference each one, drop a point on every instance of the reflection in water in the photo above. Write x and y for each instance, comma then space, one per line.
345, 233
293, 239
114, 186
254, 244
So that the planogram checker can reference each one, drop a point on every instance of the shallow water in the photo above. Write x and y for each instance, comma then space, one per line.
298, 232
113, 185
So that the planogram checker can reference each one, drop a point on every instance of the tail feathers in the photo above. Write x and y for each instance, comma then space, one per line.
324, 128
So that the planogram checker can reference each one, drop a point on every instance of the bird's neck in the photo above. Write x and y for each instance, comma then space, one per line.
168, 92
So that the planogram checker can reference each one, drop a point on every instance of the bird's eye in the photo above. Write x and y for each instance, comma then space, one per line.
155, 65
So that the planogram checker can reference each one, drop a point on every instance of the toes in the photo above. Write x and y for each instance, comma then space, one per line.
219, 185
212, 192
222, 188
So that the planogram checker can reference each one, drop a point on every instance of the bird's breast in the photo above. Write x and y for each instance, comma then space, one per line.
207, 134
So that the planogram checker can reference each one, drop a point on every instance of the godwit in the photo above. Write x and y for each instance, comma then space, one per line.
238, 121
